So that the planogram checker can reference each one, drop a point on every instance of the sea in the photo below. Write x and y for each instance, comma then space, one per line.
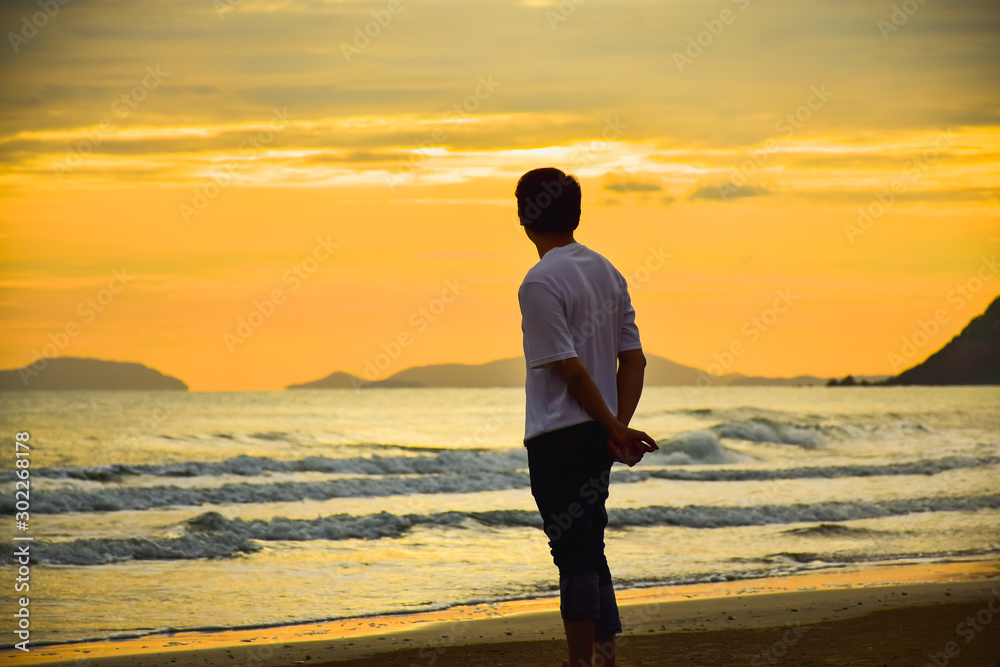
158, 511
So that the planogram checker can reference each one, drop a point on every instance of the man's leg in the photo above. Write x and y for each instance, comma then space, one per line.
608, 623
590, 618
607, 627
605, 650
580, 638
564, 468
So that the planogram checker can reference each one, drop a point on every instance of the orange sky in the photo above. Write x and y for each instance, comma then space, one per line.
220, 162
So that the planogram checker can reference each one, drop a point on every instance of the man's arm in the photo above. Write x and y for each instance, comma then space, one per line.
585, 390
631, 370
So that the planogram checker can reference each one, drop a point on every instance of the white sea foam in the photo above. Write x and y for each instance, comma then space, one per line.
212, 535
695, 447
698, 447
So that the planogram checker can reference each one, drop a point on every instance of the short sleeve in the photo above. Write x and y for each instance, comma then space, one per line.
543, 320
629, 339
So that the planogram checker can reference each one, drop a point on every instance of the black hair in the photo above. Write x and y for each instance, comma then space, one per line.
548, 201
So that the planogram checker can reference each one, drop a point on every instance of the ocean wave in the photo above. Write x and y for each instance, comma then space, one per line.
806, 436
271, 436
845, 557
784, 564
832, 530
694, 516
101, 551
444, 461
921, 467
141, 498
735, 414
689, 447
213, 535
806, 431
705, 446
694, 447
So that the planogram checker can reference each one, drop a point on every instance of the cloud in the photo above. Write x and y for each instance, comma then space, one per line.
973, 194
723, 192
361, 157
268, 53
633, 186
727, 191
679, 129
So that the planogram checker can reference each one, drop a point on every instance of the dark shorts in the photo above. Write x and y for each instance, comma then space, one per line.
570, 469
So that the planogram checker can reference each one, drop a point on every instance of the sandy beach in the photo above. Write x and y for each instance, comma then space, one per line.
876, 615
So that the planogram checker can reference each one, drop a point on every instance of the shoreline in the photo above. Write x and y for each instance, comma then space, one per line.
836, 595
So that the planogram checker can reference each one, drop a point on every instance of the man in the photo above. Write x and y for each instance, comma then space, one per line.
584, 377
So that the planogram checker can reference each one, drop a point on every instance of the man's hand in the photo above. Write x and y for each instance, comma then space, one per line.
625, 444
628, 445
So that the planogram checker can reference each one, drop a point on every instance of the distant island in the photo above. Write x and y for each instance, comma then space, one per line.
660, 372
970, 358
860, 381
79, 373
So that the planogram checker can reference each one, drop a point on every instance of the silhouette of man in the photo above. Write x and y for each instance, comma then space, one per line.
585, 370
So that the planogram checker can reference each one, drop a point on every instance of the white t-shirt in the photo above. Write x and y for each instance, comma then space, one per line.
574, 303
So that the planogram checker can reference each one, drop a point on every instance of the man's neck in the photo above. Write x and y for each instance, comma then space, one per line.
546, 242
